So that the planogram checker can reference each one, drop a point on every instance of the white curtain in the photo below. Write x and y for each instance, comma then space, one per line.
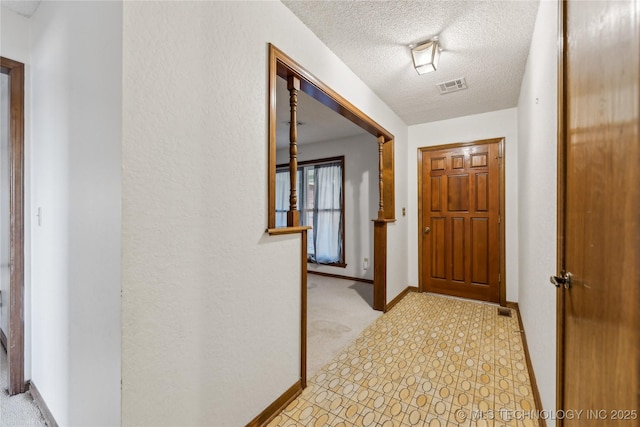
283, 188
282, 197
327, 219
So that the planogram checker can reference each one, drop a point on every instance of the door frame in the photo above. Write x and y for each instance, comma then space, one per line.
501, 192
15, 347
560, 211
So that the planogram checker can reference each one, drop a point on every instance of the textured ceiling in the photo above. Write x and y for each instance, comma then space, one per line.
486, 42
22, 7
319, 122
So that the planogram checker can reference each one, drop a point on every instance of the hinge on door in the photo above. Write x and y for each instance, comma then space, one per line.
499, 219
498, 277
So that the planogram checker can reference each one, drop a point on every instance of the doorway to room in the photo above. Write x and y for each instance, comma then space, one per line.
461, 231
12, 220
300, 80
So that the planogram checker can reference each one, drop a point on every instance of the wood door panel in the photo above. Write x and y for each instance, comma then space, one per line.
482, 192
436, 193
479, 160
458, 193
457, 249
460, 203
599, 351
457, 162
437, 164
480, 251
438, 257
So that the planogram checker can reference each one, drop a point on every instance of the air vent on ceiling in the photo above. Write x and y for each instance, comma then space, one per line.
452, 86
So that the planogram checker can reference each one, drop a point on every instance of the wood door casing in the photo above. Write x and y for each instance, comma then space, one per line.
599, 240
460, 205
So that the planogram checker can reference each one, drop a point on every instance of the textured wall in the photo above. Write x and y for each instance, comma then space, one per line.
211, 304
76, 163
537, 133
501, 123
361, 197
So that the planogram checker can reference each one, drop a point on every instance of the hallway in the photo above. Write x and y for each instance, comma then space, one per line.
431, 360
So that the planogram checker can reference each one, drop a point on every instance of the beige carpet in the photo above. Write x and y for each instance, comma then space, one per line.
18, 410
337, 312
430, 361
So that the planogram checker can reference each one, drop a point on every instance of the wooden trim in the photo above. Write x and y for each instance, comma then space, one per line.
15, 347
379, 265
293, 215
389, 180
3, 339
288, 230
399, 297
503, 233
339, 276
561, 190
42, 405
318, 90
502, 185
421, 286
380, 177
532, 377
271, 168
303, 309
276, 407
281, 65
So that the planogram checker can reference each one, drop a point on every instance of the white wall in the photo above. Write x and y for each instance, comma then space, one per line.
76, 72
211, 304
15, 44
537, 162
360, 197
495, 124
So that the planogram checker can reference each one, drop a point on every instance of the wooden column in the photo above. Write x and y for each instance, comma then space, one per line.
293, 216
379, 265
381, 176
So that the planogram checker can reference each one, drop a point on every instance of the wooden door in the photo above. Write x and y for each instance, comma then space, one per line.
599, 235
460, 220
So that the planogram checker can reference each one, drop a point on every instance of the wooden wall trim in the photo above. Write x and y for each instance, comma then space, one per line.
399, 297
303, 309
42, 405
379, 265
15, 347
532, 376
276, 407
288, 230
561, 193
340, 276
281, 65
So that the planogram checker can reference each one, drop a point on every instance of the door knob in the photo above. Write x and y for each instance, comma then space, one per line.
427, 230
564, 280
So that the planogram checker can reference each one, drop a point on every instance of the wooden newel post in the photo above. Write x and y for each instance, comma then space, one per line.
381, 177
293, 216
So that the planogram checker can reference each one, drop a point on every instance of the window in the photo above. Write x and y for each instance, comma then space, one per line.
321, 205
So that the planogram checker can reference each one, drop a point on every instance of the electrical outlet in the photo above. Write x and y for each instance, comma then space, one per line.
365, 264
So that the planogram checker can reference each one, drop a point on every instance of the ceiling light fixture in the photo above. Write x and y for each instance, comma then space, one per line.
425, 56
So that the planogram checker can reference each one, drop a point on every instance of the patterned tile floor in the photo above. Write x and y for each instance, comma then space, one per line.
430, 361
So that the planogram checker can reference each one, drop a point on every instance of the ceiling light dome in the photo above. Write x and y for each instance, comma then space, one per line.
426, 56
